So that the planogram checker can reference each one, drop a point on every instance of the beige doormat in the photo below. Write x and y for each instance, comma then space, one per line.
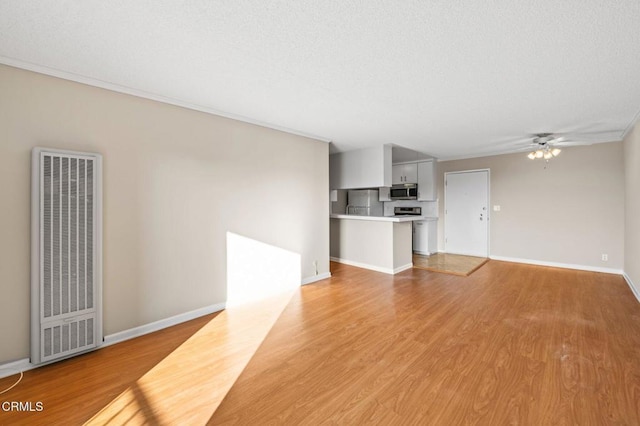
445, 263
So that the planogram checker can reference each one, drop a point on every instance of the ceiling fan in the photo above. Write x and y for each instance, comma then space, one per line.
544, 146
548, 145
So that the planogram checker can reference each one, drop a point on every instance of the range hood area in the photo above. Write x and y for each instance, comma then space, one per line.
373, 167
392, 176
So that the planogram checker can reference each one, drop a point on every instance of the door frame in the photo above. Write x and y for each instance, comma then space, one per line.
488, 205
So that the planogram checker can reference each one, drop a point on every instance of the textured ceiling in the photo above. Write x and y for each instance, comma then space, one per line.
450, 78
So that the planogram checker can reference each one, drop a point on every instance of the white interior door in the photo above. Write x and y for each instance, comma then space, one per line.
466, 222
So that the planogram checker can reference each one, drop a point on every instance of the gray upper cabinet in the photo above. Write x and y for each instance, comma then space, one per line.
363, 168
405, 173
427, 181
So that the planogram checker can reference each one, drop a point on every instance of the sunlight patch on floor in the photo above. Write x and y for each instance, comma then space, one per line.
187, 386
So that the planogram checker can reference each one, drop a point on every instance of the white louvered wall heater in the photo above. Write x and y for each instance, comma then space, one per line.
66, 254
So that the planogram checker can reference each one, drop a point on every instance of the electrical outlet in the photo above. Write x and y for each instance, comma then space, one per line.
605, 257
496, 208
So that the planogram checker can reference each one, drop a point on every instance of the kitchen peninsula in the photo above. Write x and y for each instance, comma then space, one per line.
379, 243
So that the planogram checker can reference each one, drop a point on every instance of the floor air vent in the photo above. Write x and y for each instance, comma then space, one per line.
66, 254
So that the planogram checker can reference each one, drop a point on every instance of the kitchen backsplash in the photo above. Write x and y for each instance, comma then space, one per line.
429, 208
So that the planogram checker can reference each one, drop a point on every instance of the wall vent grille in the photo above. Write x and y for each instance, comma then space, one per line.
66, 256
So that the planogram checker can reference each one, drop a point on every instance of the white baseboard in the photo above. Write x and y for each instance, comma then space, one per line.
559, 265
403, 268
372, 267
634, 289
159, 325
15, 367
425, 253
315, 278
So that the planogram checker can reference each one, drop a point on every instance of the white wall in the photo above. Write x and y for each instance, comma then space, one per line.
175, 182
632, 206
569, 213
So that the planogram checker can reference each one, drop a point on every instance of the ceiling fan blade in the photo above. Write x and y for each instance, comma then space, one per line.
595, 137
513, 142
525, 148
571, 143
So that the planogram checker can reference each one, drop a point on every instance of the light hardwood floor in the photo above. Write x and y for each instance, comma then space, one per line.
175, 376
510, 344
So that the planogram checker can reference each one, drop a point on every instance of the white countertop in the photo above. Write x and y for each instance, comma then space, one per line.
382, 218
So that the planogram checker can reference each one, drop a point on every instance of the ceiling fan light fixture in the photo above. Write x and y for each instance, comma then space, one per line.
544, 148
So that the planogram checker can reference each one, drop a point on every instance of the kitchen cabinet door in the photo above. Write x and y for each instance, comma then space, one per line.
411, 173
427, 181
432, 244
420, 237
396, 175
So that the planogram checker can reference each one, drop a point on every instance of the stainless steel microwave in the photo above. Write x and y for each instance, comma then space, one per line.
404, 191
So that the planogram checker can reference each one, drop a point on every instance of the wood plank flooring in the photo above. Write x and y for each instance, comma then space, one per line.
175, 376
510, 344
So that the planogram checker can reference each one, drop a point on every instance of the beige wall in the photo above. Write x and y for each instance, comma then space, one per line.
378, 245
175, 181
569, 213
366, 242
632, 206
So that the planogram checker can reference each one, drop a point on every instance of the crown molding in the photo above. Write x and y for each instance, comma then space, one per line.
94, 82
